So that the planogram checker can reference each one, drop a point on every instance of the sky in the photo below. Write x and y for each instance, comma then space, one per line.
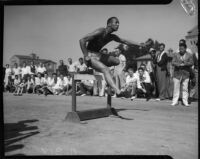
53, 31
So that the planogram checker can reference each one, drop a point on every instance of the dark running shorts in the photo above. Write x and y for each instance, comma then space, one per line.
100, 57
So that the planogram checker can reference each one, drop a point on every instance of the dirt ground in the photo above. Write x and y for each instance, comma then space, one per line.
34, 125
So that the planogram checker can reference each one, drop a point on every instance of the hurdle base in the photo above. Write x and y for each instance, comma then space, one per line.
78, 116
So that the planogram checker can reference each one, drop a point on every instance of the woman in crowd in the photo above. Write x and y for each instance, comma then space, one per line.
162, 74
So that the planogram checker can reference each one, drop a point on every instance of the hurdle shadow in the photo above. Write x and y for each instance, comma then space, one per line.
115, 112
14, 132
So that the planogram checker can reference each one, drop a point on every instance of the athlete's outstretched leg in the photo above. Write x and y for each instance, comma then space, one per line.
97, 65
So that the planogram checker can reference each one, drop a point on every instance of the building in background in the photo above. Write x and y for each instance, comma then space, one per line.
192, 38
20, 59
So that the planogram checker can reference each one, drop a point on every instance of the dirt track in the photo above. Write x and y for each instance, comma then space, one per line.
34, 125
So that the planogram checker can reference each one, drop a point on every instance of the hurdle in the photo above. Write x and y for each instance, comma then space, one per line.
78, 116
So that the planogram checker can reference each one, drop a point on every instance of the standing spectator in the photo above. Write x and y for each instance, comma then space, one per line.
182, 41
119, 70
25, 70
41, 69
32, 68
71, 66
62, 69
182, 63
153, 73
144, 87
7, 78
194, 82
81, 66
162, 74
17, 70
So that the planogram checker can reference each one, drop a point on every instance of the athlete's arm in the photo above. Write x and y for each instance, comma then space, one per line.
83, 41
127, 42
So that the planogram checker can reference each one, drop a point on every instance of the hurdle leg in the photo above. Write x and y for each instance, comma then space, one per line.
73, 94
109, 98
73, 116
111, 110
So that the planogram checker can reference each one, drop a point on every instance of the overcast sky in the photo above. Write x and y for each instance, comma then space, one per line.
53, 32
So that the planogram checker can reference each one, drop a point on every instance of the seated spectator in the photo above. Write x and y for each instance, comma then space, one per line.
81, 66
10, 85
144, 87
69, 89
145, 70
52, 80
86, 87
21, 87
38, 84
31, 84
61, 86
16, 83
130, 85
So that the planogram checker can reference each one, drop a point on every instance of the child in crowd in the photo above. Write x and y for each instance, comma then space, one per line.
21, 87
30, 84
16, 83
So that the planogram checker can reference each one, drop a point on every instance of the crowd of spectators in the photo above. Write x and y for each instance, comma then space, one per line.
160, 78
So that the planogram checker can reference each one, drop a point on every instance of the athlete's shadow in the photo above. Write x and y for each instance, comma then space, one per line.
14, 132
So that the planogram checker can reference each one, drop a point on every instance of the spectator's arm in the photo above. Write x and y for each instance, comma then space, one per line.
175, 61
138, 83
189, 61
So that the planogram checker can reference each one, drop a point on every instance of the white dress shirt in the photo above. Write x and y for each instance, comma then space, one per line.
146, 77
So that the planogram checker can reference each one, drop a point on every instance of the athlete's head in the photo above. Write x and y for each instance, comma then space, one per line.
113, 23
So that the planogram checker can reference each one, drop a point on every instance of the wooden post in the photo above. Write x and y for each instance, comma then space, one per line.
73, 94
109, 98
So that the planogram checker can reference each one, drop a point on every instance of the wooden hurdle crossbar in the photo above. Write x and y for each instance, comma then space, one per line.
78, 116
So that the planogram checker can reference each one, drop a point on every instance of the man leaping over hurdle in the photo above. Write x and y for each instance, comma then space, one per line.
93, 42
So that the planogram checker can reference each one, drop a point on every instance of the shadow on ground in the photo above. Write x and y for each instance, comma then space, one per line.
14, 132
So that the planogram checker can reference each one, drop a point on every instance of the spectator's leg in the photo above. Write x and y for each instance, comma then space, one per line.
185, 91
139, 92
176, 91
